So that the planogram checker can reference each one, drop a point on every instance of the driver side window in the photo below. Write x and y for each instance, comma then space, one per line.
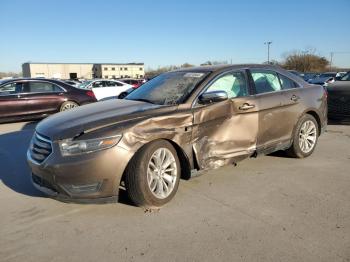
234, 84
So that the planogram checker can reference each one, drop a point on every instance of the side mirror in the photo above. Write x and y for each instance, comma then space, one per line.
212, 97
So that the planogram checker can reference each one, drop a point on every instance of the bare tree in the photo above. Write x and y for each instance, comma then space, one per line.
305, 61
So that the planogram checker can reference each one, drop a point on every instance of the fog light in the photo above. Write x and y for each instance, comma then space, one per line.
83, 189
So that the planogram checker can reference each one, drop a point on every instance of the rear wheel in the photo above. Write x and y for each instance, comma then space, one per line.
305, 137
122, 95
68, 105
153, 175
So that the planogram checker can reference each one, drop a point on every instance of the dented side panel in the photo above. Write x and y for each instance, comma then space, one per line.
224, 134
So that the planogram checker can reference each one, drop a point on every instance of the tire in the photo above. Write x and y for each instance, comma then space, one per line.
304, 143
143, 188
68, 105
122, 95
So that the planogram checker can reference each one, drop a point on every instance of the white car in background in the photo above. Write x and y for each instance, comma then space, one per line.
104, 88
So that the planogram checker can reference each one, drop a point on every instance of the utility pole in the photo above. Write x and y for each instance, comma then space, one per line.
268, 50
330, 63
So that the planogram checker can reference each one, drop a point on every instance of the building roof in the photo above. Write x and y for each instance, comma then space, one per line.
50, 63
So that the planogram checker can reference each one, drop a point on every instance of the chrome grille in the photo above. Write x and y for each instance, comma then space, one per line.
40, 148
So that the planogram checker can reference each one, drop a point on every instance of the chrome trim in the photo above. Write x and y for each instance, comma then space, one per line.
29, 156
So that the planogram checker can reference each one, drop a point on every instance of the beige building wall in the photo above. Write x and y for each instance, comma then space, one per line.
122, 70
86, 71
62, 71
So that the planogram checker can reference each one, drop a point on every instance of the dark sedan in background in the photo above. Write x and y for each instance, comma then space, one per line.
339, 99
324, 78
24, 99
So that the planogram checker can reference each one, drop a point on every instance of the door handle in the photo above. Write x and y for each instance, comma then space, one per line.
295, 98
246, 106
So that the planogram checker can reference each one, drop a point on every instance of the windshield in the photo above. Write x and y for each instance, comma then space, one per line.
346, 77
85, 84
168, 88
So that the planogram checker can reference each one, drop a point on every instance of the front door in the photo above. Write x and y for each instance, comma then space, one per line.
226, 132
12, 102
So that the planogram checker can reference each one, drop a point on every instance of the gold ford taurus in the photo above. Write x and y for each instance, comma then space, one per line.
181, 121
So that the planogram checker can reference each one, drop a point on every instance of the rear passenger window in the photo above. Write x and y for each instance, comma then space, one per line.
98, 84
265, 81
287, 83
234, 84
42, 87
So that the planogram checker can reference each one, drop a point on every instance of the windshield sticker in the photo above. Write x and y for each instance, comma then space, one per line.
194, 75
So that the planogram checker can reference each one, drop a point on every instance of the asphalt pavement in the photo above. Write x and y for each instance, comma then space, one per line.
271, 208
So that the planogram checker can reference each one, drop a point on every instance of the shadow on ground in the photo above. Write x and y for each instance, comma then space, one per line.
14, 171
344, 121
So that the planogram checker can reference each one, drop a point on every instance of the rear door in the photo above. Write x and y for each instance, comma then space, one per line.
116, 87
226, 132
43, 97
274, 124
292, 104
12, 102
99, 89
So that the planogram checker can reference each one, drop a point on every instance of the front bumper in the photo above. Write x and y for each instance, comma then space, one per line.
93, 176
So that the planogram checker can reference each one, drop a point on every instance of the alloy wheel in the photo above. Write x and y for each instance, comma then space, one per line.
162, 173
307, 136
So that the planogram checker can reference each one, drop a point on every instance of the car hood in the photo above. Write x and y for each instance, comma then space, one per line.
70, 123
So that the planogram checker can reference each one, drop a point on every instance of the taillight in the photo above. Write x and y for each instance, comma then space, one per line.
90, 94
135, 86
325, 93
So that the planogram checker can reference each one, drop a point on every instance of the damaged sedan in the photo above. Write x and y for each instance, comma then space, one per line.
179, 122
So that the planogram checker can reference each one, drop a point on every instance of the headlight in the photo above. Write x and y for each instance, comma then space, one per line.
74, 147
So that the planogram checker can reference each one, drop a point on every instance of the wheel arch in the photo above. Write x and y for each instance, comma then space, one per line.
183, 159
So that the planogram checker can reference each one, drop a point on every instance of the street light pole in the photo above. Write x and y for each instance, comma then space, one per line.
330, 63
268, 50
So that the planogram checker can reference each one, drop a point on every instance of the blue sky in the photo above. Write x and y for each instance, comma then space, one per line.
162, 33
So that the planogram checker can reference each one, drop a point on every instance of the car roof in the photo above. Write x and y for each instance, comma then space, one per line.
216, 68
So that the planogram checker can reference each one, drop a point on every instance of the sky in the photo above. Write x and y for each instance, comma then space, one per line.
161, 33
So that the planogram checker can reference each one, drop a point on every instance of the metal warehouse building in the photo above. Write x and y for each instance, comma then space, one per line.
83, 70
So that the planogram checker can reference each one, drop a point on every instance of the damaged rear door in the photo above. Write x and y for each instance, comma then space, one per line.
225, 132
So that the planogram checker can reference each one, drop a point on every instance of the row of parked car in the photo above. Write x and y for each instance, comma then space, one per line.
320, 78
35, 98
338, 88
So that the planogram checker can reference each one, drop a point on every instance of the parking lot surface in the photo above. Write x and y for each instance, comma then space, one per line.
271, 208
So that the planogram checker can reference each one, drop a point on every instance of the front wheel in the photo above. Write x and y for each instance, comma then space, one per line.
305, 137
153, 175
